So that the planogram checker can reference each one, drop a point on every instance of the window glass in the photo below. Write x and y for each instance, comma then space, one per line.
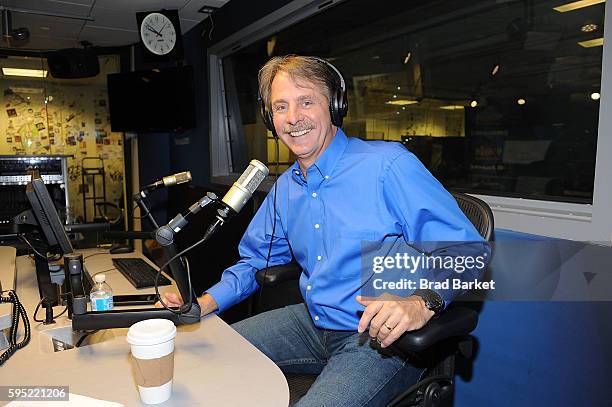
494, 97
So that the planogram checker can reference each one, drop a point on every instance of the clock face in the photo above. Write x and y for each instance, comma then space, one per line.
158, 33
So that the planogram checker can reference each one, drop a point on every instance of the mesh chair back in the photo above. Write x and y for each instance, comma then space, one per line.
478, 212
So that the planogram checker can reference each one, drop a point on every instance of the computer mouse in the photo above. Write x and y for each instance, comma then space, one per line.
120, 250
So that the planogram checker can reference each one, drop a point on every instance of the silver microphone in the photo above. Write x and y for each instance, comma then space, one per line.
168, 181
175, 179
243, 189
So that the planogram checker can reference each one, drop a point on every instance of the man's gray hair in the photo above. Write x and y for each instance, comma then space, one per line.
297, 67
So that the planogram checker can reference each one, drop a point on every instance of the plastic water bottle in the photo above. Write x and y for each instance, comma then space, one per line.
101, 295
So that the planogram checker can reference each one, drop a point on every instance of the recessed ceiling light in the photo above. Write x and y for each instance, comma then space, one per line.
587, 28
597, 42
577, 5
31, 73
521, 101
394, 96
407, 58
402, 102
495, 70
595, 95
23, 89
474, 103
399, 88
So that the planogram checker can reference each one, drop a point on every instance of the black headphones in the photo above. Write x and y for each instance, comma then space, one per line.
338, 104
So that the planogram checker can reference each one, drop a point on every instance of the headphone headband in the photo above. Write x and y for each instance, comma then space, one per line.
333, 68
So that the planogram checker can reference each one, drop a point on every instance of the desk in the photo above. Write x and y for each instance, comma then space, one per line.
214, 366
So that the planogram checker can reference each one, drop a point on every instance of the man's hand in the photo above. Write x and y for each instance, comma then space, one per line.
389, 316
207, 302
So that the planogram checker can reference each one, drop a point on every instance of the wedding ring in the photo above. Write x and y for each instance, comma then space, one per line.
387, 326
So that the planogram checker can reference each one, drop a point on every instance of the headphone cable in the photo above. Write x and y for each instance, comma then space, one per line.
259, 300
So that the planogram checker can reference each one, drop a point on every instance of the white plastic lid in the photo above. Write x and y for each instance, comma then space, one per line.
151, 332
100, 278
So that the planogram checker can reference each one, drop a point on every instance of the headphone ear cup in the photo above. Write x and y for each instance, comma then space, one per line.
267, 117
336, 108
342, 105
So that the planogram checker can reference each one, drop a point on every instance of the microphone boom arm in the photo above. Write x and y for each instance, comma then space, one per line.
165, 235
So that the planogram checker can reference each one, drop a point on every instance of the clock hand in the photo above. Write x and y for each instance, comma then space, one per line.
162, 29
148, 27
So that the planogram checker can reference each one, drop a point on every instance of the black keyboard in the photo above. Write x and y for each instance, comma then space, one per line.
139, 272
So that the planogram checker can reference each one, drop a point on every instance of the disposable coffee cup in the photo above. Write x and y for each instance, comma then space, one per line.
152, 343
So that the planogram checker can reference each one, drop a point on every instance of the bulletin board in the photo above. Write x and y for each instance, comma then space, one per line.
63, 119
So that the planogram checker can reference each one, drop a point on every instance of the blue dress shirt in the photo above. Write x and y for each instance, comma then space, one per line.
355, 191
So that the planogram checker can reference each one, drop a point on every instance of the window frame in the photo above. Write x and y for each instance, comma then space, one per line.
574, 221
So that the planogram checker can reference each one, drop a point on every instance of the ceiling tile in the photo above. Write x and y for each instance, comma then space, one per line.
108, 37
110, 18
49, 6
140, 5
187, 25
57, 27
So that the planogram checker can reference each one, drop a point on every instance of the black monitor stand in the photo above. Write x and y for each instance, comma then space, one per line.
26, 228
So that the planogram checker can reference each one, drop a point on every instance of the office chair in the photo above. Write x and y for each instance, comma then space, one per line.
435, 345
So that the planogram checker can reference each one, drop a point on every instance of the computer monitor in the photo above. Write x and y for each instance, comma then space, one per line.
47, 216
48, 236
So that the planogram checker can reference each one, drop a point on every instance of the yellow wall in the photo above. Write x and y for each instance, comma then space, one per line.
75, 121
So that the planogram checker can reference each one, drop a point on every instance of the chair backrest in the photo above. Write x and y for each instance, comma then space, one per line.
478, 212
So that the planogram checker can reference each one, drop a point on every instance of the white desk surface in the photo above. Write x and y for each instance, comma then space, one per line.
214, 366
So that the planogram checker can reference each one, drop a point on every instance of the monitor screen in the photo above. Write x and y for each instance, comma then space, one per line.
46, 216
152, 101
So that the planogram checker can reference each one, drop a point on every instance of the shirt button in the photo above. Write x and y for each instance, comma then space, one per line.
318, 258
314, 194
316, 317
317, 226
308, 287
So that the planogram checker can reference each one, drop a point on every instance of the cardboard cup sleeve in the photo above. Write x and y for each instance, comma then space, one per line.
153, 372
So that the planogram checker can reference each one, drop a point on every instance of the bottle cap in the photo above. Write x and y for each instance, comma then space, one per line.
100, 278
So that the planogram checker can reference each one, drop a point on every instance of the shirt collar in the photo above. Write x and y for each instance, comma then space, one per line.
325, 164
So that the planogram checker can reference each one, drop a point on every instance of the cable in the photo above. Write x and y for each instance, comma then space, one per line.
186, 304
18, 311
212, 27
140, 217
26, 241
260, 296
94, 254
82, 338
38, 307
100, 272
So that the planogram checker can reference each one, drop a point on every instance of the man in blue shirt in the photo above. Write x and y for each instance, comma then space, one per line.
340, 193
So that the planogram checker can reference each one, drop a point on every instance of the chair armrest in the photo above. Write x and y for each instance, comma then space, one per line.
278, 274
454, 321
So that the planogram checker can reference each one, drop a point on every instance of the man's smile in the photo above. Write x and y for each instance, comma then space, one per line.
299, 133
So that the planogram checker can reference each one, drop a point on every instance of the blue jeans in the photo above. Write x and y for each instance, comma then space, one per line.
353, 370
